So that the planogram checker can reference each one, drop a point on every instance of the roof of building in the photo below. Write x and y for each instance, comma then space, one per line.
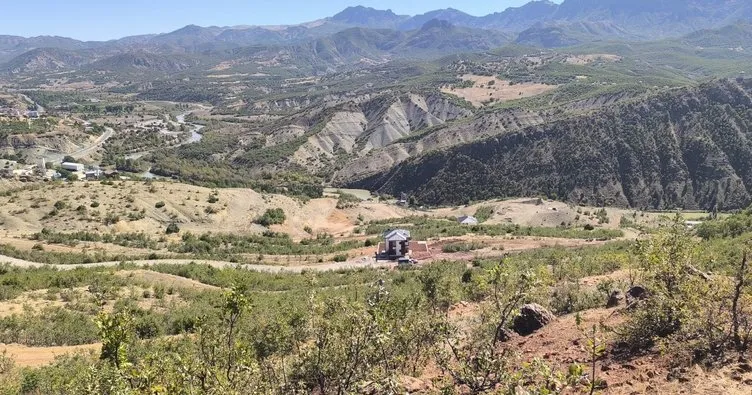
467, 218
397, 235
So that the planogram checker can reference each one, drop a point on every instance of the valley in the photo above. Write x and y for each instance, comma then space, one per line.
553, 198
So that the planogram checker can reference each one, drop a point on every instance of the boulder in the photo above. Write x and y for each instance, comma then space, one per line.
411, 385
531, 318
504, 335
615, 298
635, 294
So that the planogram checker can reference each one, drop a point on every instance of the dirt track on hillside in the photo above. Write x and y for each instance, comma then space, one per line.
363, 263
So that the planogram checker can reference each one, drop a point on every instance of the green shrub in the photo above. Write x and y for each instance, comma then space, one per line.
347, 200
273, 216
172, 228
461, 247
159, 204
484, 213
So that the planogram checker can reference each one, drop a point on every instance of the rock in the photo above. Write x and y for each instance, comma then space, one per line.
412, 385
636, 293
531, 318
615, 299
505, 335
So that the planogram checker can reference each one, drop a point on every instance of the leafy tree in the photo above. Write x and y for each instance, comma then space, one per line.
273, 216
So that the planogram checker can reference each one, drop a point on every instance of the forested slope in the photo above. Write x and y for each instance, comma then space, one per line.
687, 148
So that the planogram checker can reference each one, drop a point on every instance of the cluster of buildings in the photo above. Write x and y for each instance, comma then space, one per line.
10, 169
90, 173
13, 170
11, 112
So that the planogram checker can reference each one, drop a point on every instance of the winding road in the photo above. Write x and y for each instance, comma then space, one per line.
195, 136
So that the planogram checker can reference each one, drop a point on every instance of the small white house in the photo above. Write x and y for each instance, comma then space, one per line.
70, 166
397, 243
467, 220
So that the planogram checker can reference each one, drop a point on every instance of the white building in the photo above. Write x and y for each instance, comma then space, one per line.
70, 166
467, 220
397, 243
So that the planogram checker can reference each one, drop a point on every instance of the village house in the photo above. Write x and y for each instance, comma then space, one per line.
397, 243
467, 220
70, 166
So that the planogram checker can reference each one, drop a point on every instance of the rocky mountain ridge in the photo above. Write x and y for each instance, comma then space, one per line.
689, 148
541, 23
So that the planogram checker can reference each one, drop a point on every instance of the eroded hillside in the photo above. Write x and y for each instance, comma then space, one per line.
683, 148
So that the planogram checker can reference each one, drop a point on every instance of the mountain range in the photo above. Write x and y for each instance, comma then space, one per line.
359, 32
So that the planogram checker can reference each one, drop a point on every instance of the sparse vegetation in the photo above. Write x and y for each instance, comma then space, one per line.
274, 216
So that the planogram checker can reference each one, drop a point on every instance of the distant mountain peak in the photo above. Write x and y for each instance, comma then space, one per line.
437, 24
367, 16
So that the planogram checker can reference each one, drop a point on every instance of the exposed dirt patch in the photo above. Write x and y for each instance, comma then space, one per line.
500, 246
491, 89
29, 301
150, 208
562, 344
163, 279
549, 213
39, 356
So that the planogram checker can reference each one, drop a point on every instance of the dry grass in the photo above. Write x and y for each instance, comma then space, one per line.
25, 356
27, 212
491, 89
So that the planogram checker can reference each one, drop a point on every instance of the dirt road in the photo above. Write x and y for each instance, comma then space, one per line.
351, 265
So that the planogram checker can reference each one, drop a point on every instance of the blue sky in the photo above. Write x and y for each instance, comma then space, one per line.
108, 19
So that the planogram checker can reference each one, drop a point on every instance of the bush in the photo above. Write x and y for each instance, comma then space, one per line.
172, 229
589, 227
341, 258
273, 216
159, 204
461, 247
484, 213
347, 200
111, 219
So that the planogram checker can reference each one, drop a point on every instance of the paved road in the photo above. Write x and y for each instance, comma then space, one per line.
194, 138
108, 132
351, 265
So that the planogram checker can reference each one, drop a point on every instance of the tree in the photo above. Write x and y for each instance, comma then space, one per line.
115, 333
68, 158
273, 216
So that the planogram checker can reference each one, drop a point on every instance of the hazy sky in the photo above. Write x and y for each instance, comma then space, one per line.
108, 19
